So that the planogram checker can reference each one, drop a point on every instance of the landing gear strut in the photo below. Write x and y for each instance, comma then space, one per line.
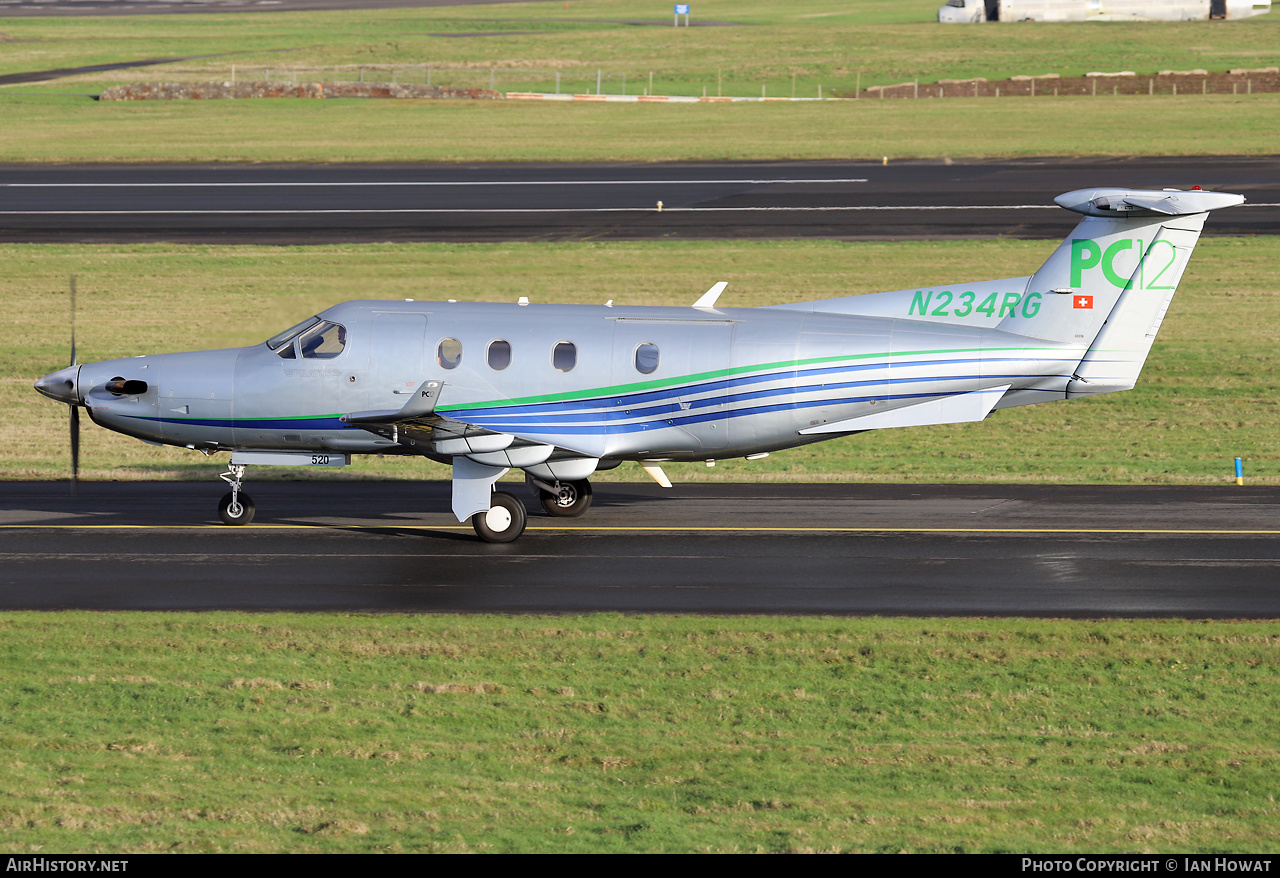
236, 507
503, 522
566, 499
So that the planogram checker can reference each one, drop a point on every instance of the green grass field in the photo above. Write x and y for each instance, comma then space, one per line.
816, 41
66, 129
229, 732
784, 48
321, 733
1208, 393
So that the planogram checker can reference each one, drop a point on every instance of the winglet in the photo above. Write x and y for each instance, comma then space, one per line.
708, 299
423, 401
421, 404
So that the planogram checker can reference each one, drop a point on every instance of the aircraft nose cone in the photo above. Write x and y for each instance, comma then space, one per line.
61, 385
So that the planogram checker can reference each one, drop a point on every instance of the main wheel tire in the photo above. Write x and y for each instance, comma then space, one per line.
504, 521
240, 513
573, 499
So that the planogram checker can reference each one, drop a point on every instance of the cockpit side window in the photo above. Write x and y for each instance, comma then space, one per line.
323, 342
288, 335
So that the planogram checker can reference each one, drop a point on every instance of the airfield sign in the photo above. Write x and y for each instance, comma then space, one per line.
682, 9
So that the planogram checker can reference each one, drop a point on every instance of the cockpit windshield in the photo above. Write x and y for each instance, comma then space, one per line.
288, 335
323, 342
314, 339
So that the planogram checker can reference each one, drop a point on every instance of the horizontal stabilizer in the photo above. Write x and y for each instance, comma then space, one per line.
957, 409
1114, 202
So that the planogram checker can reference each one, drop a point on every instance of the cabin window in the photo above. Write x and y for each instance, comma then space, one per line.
288, 335
288, 352
323, 341
564, 356
499, 355
449, 353
647, 358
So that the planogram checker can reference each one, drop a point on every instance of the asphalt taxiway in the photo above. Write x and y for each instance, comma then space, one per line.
300, 204
710, 548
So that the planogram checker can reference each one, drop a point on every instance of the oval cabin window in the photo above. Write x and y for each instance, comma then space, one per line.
647, 358
499, 355
449, 353
564, 356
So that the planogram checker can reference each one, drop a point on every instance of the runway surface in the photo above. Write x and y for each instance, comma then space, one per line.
292, 204
792, 549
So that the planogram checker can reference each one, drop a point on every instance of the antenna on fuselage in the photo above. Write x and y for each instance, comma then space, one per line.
708, 299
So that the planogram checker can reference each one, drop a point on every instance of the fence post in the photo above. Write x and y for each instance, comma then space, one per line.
598, 80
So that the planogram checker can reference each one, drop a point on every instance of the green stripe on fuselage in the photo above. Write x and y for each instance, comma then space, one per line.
639, 386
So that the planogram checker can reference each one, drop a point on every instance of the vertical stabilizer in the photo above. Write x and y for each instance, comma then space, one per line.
1110, 283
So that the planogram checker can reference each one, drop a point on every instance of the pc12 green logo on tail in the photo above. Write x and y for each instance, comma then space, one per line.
1153, 264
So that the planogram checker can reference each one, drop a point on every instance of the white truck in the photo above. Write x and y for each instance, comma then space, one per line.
967, 11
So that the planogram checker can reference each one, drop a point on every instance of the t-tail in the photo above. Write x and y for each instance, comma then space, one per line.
1112, 280
1103, 292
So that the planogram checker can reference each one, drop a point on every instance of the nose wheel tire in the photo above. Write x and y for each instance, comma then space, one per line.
503, 522
239, 512
569, 501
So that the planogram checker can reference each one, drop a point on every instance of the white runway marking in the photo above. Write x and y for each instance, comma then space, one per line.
233, 185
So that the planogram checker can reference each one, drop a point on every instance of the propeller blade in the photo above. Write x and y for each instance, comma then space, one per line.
73, 319
75, 449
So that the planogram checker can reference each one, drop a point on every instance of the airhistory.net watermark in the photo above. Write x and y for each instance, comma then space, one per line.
65, 864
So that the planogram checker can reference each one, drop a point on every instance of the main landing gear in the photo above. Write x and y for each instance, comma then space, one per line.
504, 522
237, 506
564, 499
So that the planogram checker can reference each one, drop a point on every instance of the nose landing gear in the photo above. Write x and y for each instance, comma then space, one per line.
235, 508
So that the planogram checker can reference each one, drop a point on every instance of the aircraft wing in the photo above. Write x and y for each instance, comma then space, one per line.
419, 426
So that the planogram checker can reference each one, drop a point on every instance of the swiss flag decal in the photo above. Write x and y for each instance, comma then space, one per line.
1085, 302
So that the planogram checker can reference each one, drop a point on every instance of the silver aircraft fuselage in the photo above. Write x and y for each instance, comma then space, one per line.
726, 382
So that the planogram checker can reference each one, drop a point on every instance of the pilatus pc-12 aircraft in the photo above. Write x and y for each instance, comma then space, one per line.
561, 391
